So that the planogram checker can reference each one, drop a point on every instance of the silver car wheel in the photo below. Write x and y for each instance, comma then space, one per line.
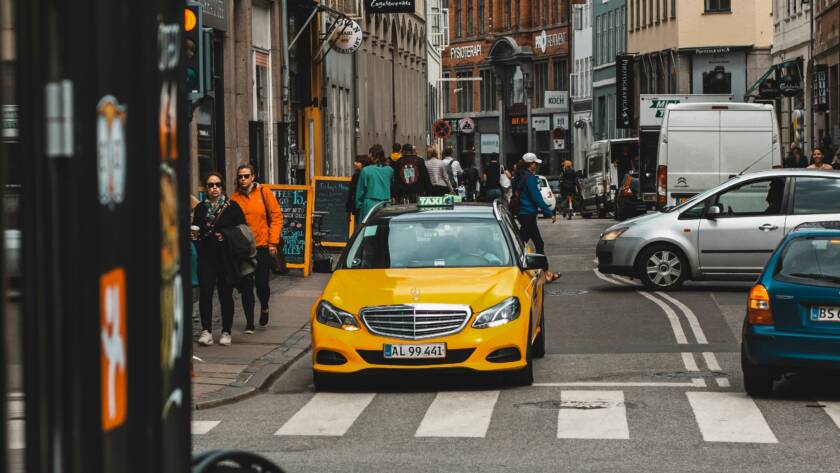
663, 268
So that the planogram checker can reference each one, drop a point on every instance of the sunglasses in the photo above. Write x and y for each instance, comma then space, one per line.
244, 176
211, 185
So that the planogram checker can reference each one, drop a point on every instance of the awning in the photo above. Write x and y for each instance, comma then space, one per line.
770, 71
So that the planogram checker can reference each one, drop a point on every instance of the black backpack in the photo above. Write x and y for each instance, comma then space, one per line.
515, 198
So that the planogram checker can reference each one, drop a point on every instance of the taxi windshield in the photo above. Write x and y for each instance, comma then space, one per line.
812, 260
429, 244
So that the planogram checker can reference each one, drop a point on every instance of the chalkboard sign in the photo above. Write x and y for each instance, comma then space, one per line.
330, 201
294, 203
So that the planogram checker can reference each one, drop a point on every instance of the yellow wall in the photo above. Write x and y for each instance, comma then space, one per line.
749, 23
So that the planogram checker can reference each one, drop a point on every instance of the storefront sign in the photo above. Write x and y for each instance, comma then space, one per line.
652, 107
820, 87
720, 73
556, 99
519, 125
559, 144
624, 91
541, 123
712, 50
349, 38
489, 143
465, 52
213, 14
389, 6
561, 120
545, 41
466, 125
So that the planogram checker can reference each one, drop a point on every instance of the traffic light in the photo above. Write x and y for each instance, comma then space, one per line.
194, 51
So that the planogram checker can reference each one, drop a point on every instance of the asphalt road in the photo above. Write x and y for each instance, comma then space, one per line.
632, 381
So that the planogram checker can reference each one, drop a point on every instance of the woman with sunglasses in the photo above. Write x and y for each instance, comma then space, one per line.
217, 212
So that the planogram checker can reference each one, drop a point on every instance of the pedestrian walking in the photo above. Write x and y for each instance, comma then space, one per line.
441, 184
795, 159
491, 180
361, 161
395, 153
471, 179
817, 160
374, 185
568, 188
264, 217
453, 168
411, 178
216, 214
527, 190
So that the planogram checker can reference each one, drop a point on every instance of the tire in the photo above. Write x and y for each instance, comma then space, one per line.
525, 376
662, 268
324, 381
758, 380
538, 350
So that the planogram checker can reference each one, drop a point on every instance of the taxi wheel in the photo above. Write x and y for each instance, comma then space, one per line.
539, 343
525, 376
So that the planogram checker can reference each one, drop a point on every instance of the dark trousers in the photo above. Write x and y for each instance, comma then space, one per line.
259, 279
439, 190
528, 230
210, 277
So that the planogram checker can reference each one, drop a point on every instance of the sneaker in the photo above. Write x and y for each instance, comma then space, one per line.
225, 340
206, 339
263, 318
249, 329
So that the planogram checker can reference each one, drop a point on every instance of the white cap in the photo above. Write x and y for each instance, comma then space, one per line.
531, 158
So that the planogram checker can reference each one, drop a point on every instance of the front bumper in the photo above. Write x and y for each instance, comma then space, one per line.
768, 347
467, 349
617, 256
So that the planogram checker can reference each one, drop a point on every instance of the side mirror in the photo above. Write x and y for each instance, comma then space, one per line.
536, 261
713, 212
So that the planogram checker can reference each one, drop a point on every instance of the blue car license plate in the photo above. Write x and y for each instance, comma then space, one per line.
822, 313
416, 350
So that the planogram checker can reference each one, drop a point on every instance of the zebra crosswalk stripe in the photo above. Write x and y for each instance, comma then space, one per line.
592, 415
459, 414
203, 427
327, 414
729, 417
833, 411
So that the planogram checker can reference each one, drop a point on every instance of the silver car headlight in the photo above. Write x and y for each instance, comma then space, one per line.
328, 314
500, 314
613, 234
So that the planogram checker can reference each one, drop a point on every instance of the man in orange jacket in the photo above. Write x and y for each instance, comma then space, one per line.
263, 215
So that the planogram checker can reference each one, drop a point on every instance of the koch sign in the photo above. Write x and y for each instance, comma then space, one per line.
389, 6
556, 99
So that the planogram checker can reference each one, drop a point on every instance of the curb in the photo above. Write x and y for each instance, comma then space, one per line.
261, 373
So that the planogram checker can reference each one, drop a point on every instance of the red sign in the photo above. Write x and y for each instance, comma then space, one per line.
113, 352
442, 129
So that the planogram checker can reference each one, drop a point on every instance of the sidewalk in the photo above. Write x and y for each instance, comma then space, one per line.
252, 362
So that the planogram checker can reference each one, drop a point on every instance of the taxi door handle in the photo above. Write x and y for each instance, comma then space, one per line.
767, 227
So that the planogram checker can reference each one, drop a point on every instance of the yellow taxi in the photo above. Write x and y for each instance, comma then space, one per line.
435, 286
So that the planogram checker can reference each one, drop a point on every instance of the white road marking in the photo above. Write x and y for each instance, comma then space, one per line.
694, 383
608, 279
203, 427
693, 322
459, 414
712, 363
17, 434
729, 417
627, 280
689, 362
833, 411
723, 382
679, 334
608, 421
327, 414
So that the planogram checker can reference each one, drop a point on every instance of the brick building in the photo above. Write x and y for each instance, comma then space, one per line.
506, 79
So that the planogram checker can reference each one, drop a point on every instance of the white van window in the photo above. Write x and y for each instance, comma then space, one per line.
762, 197
816, 195
595, 163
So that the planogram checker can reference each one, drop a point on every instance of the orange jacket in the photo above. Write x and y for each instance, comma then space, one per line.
253, 206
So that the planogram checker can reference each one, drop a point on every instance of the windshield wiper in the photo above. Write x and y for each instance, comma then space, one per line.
821, 277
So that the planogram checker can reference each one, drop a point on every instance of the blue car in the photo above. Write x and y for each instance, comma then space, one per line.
793, 311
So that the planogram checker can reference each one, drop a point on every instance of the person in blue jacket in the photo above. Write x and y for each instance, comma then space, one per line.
530, 203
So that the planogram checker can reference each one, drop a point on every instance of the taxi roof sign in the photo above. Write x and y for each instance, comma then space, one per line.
438, 201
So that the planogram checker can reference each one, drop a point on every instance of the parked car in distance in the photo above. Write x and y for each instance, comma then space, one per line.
793, 311
607, 161
548, 194
702, 145
725, 233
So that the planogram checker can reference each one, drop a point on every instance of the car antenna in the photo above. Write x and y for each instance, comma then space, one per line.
754, 162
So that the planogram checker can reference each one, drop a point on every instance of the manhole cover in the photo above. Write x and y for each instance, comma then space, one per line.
562, 291
690, 374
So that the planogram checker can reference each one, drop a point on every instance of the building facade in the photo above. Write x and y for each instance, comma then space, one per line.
581, 82
609, 38
825, 88
506, 80
791, 53
699, 46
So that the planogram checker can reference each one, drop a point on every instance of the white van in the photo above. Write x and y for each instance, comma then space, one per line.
702, 145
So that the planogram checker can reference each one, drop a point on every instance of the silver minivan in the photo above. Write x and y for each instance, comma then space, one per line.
725, 233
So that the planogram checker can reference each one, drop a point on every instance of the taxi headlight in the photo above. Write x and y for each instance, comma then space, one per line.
613, 234
500, 314
328, 314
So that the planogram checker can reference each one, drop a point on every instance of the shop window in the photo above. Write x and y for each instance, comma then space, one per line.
559, 66
469, 17
487, 90
464, 90
713, 6
540, 82
673, 8
457, 18
482, 16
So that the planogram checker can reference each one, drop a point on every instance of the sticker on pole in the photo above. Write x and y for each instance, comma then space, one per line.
110, 150
113, 354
